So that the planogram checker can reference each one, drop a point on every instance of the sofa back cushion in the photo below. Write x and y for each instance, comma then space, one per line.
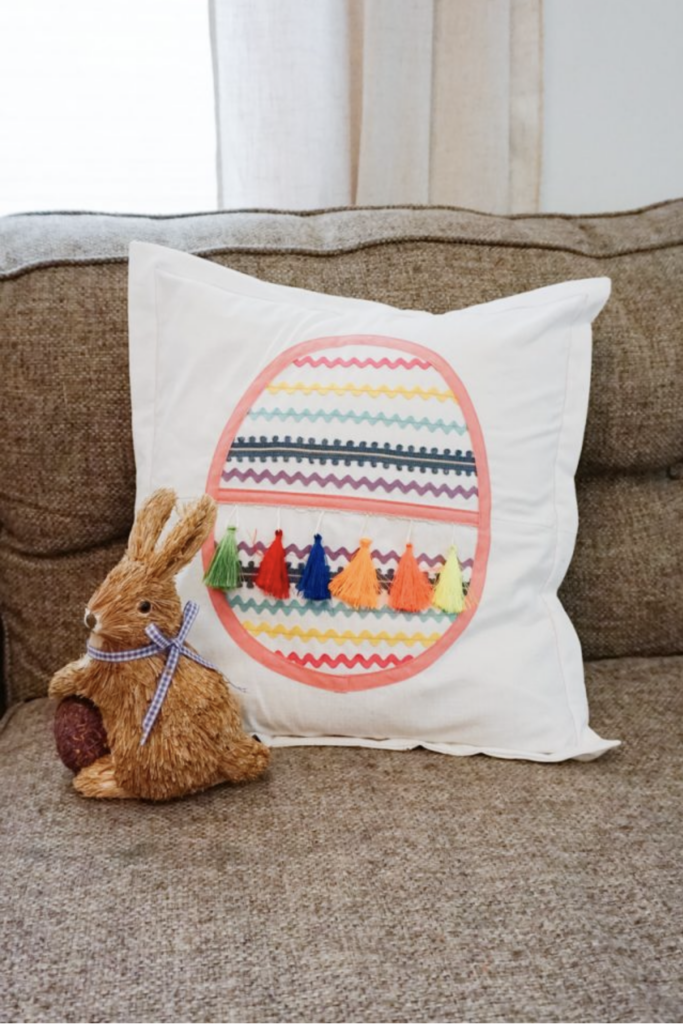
66, 464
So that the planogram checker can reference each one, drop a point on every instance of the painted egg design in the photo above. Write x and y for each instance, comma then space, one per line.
351, 437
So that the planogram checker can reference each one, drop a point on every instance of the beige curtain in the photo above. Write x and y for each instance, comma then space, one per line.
362, 102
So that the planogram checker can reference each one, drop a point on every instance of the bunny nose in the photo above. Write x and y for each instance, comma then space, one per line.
90, 620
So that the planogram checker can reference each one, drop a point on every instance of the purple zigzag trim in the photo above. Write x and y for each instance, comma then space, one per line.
384, 557
348, 481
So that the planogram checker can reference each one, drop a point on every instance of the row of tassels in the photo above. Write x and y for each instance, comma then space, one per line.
357, 584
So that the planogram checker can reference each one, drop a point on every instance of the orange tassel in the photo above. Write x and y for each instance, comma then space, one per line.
410, 590
357, 584
272, 576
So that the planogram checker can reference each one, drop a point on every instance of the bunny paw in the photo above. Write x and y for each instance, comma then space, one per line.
98, 780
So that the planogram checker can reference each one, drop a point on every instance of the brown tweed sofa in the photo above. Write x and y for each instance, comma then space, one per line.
350, 885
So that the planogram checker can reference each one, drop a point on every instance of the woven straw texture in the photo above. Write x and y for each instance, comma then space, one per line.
67, 463
358, 885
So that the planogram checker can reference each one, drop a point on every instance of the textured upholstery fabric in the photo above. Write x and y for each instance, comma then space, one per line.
354, 885
66, 464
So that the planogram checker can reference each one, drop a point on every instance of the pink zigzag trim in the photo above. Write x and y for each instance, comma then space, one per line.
377, 364
348, 481
374, 661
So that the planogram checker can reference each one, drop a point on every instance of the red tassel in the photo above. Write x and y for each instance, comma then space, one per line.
272, 576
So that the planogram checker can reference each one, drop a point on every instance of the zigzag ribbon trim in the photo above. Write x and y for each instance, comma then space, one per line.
362, 364
249, 573
362, 389
250, 604
383, 557
358, 660
347, 481
275, 449
447, 426
364, 637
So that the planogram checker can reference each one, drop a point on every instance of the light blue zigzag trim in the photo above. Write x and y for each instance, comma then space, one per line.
321, 608
363, 417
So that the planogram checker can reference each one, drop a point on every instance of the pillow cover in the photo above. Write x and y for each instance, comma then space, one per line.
396, 503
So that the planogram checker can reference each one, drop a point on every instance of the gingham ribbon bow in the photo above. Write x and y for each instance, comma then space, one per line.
175, 648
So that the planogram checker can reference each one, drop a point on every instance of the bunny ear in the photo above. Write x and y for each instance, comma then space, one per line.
185, 539
149, 522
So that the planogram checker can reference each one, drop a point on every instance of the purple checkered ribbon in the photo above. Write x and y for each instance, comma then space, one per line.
174, 648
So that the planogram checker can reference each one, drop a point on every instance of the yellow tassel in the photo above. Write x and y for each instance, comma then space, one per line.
411, 590
449, 594
357, 584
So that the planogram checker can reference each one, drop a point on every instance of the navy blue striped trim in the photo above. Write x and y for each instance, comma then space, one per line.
286, 449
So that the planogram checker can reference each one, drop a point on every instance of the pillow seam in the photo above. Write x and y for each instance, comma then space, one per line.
549, 611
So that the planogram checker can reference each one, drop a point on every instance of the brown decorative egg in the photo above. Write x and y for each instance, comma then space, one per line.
79, 733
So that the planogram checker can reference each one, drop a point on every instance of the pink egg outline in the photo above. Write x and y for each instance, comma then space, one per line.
346, 683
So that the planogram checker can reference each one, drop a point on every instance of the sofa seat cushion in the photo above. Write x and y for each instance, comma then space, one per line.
356, 885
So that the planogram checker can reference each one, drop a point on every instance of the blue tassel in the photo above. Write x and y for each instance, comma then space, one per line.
315, 579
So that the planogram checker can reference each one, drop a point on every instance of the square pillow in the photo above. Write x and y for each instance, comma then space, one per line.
396, 503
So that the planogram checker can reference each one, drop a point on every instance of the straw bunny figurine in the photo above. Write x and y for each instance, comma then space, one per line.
172, 724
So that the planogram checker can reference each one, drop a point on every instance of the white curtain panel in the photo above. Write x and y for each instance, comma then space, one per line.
366, 102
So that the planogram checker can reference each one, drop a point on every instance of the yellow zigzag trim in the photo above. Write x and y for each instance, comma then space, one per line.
363, 389
341, 638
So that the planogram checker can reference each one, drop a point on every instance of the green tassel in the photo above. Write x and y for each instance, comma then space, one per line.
224, 572
449, 594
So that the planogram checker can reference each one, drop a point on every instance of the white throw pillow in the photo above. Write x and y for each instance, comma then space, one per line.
382, 431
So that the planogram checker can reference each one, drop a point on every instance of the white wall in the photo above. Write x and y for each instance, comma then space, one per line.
106, 106
613, 104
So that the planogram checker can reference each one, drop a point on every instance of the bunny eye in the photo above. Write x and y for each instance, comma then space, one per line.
145, 606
